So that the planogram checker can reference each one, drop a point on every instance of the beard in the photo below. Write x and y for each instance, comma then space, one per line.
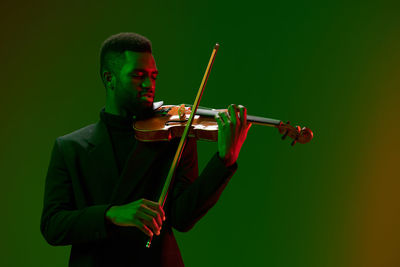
140, 110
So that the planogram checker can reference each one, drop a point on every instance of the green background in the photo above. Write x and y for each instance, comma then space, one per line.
333, 67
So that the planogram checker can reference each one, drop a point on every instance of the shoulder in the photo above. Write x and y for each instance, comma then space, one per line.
77, 134
78, 137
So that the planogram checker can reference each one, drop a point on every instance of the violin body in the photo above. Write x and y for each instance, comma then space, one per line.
169, 122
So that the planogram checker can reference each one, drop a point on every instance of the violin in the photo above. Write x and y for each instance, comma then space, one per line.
169, 122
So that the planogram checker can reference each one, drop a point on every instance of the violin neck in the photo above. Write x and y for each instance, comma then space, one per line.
263, 121
253, 119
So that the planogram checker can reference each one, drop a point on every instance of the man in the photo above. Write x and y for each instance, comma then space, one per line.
102, 185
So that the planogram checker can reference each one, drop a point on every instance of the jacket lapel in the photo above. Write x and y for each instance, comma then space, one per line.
103, 162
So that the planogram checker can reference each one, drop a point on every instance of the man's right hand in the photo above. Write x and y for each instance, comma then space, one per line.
143, 214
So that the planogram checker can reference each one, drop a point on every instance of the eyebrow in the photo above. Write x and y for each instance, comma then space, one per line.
144, 70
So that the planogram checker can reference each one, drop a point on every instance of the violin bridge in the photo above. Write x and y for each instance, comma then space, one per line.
181, 112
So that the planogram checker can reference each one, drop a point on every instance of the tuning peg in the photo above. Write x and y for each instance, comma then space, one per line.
297, 135
285, 134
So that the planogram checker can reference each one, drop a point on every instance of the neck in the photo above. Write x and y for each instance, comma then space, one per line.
113, 108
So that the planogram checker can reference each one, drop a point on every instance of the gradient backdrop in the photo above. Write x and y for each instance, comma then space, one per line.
333, 67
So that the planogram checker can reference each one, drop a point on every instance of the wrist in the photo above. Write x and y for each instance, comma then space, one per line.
226, 160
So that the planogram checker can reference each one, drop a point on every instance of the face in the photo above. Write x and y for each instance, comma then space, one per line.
135, 83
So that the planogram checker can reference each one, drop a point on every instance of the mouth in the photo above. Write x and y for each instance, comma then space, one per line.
148, 96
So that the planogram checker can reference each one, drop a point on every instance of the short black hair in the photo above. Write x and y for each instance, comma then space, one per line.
118, 43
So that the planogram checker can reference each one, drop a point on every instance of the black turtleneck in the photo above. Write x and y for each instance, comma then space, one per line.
122, 136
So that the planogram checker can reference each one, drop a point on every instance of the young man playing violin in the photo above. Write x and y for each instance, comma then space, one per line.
102, 184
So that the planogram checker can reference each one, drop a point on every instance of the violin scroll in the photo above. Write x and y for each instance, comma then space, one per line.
300, 135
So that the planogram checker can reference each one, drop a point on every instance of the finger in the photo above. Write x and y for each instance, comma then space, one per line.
220, 127
153, 213
243, 115
219, 120
233, 114
156, 206
224, 118
238, 117
149, 222
144, 229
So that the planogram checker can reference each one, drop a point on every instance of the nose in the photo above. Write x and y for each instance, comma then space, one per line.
147, 83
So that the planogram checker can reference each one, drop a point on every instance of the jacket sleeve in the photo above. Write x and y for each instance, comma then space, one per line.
61, 222
194, 195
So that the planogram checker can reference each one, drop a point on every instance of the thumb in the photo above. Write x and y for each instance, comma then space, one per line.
248, 126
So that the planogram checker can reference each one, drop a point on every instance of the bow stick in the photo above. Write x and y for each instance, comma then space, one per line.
181, 146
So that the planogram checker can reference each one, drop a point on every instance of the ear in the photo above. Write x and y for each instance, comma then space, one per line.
109, 80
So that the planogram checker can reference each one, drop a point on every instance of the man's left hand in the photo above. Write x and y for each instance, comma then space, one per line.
232, 131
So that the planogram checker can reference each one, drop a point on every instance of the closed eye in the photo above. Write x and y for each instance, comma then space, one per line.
141, 75
138, 74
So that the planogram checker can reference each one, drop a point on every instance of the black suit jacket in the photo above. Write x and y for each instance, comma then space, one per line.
83, 182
